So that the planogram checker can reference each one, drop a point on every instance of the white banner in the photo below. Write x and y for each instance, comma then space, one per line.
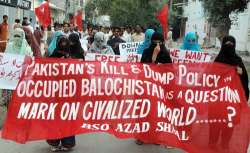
177, 55
11, 64
186, 56
112, 58
128, 48
10, 70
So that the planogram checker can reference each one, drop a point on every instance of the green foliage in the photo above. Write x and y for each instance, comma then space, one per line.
127, 12
218, 11
89, 10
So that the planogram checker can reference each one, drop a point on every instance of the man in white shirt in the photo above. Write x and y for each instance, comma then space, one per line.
66, 29
127, 34
138, 36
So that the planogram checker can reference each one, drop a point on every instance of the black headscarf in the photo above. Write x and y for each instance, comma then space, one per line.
228, 56
163, 56
62, 48
76, 50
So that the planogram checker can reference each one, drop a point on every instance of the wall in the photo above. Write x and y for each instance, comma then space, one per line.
240, 28
14, 13
196, 21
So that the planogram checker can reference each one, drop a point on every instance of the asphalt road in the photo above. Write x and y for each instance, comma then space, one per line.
88, 143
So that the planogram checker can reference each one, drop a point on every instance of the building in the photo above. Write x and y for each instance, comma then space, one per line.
197, 22
16, 9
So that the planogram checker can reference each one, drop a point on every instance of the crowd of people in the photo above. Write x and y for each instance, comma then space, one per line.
66, 41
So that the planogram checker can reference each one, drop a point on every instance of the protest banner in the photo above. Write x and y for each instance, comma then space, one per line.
128, 48
187, 56
112, 58
167, 104
11, 66
10, 70
177, 55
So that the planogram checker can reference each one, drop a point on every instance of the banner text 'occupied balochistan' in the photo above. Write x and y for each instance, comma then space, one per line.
154, 103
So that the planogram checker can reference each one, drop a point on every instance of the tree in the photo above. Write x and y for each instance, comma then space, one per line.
127, 12
218, 12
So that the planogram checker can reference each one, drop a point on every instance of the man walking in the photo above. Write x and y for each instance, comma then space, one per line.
4, 33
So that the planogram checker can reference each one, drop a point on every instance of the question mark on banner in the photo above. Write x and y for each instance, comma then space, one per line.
231, 114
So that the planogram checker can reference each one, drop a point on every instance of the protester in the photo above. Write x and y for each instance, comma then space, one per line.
127, 34
71, 28
157, 51
76, 30
110, 32
115, 41
38, 35
4, 33
170, 38
138, 36
107, 34
66, 28
18, 43
49, 35
31, 39
76, 50
52, 45
29, 24
147, 42
89, 36
228, 56
197, 37
100, 46
190, 42
17, 24
121, 33
62, 51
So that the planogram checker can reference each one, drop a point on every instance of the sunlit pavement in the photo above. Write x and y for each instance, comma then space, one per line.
88, 143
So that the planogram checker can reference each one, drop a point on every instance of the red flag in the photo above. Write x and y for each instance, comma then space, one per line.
163, 19
43, 14
78, 19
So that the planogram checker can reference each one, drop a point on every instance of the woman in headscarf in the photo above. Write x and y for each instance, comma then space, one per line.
76, 50
147, 41
100, 46
190, 42
18, 44
228, 56
52, 45
62, 51
157, 51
